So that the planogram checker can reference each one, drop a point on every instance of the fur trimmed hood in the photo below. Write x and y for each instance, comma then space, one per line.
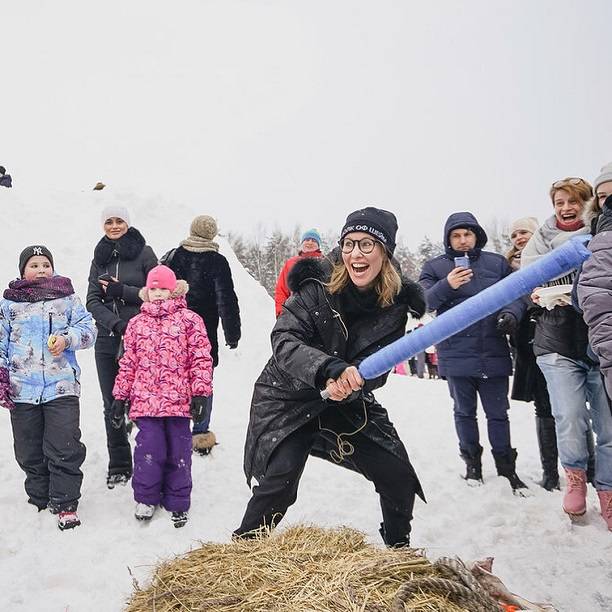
128, 247
181, 290
318, 269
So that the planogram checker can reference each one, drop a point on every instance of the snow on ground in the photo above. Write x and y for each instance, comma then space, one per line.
538, 554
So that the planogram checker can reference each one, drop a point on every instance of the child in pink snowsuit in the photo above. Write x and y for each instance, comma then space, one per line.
165, 376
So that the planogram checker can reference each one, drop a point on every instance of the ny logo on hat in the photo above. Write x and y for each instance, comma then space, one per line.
37, 250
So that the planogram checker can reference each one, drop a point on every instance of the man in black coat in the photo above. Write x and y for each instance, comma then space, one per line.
211, 294
475, 361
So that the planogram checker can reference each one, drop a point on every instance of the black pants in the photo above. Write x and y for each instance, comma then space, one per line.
48, 448
393, 479
119, 451
493, 394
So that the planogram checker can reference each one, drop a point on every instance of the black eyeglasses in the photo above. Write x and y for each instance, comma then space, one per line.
572, 180
365, 245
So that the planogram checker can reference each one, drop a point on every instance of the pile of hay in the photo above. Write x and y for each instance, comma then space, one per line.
301, 568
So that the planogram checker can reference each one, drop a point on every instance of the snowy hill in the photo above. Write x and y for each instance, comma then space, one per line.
538, 554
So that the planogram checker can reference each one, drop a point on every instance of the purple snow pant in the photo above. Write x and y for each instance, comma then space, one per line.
162, 463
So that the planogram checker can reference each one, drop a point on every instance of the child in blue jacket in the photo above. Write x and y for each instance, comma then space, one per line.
42, 324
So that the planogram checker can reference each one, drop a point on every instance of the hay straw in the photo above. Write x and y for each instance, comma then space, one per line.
301, 568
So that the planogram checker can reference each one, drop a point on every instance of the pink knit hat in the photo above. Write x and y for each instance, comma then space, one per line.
161, 277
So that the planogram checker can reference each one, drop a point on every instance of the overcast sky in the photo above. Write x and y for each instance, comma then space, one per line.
297, 112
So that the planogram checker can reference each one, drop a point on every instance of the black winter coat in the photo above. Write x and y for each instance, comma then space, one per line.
528, 383
129, 260
308, 338
480, 350
211, 293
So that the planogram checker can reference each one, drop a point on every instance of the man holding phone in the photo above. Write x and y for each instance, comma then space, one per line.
475, 361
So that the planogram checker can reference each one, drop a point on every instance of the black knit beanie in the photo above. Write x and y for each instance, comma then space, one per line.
32, 251
380, 224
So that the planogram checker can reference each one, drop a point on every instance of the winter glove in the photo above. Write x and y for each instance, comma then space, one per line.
232, 345
608, 202
118, 412
507, 323
114, 289
197, 408
120, 327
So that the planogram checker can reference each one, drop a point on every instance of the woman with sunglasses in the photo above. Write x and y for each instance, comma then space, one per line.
342, 309
562, 353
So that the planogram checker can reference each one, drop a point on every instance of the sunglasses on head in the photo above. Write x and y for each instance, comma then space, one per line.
571, 180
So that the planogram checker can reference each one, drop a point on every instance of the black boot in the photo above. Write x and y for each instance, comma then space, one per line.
506, 467
400, 542
547, 442
473, 464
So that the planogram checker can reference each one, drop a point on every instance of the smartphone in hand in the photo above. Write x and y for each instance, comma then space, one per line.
462, 262
105, 277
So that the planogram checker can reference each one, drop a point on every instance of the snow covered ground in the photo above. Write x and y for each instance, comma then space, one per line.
538, 554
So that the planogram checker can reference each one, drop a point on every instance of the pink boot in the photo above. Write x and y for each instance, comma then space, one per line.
574, 500
605, 499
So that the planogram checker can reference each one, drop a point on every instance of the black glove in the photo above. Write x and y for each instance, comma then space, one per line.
120, 327
118, 413
507, 323
608, 202
197, 408
114, 289
232, 345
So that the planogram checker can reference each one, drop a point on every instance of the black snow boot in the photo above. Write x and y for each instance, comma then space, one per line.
547, 442
473, 465
506, 467
401, 542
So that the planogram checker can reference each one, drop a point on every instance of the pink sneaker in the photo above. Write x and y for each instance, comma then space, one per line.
574, 500
605, 499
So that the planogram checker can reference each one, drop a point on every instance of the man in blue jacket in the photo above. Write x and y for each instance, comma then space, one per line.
475, 361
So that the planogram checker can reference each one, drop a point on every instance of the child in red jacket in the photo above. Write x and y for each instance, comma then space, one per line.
165, 375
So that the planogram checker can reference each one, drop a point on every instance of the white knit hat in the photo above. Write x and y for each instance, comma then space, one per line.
530, 224
116, 210
604, 177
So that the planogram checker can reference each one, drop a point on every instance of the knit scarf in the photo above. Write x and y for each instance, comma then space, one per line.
570, 227
197, 244
49, 288
547, 238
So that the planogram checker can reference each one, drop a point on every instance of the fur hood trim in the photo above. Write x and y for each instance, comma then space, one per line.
318, 269
181, 290
128, 247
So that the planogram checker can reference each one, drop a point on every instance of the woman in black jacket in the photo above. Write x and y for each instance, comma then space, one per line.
529, 384
337, 315
211, 294
118, 271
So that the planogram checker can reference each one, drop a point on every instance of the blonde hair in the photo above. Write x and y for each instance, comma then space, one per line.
582, 191
388, 282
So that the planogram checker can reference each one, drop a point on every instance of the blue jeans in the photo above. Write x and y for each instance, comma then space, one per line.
571, 384
204, 425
